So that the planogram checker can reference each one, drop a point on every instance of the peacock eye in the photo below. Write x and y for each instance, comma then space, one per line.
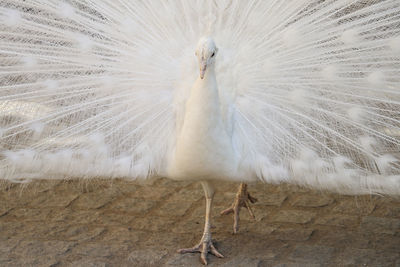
213, 54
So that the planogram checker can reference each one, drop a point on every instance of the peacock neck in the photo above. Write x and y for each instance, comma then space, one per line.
205, 92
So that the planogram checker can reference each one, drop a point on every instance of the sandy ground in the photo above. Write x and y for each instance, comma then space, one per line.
120, 223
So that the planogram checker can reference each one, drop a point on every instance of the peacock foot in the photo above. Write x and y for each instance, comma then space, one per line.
242, 199
204, 247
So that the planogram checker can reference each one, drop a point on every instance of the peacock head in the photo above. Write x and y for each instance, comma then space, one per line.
206, 52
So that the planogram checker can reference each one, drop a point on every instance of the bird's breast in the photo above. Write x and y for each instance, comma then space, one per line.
203, 147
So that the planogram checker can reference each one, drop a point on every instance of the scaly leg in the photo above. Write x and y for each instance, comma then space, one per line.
242, 200
205, 246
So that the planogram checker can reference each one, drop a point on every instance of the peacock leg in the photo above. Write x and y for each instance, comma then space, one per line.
242, 200
205, 245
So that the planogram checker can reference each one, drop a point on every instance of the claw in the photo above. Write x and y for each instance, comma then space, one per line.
242, 200
204, 247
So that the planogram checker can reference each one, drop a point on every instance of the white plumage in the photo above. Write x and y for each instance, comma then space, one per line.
304, 92
109, 84
204, 145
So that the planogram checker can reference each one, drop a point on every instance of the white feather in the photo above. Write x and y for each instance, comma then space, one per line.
11, 17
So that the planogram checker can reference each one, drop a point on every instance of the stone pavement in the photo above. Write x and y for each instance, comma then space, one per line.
120, 223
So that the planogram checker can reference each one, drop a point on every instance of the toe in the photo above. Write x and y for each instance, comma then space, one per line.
252, 199
227, 211
203, 256
215, 252
203, 260
183, 250
236, 220
250, 210
189, 250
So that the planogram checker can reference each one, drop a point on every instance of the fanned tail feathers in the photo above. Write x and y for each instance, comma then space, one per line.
309, 90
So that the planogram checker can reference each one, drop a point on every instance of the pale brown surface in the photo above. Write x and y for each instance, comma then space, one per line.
119, 223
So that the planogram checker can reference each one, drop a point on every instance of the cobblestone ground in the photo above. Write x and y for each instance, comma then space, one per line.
120, 223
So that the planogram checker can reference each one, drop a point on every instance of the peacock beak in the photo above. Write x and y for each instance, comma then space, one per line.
203, 69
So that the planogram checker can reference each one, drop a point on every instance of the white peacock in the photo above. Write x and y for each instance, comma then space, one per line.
304, 92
